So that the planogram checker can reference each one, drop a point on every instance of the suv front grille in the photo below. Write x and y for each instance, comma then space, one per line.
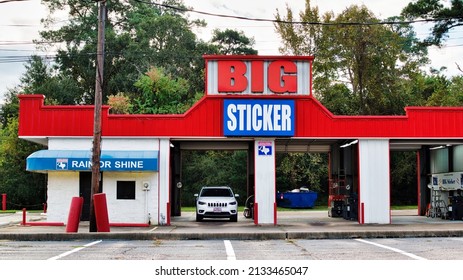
217, 204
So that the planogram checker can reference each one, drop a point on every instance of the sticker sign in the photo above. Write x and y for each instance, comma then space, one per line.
245, 117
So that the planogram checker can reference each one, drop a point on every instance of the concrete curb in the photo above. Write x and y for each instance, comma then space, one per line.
228, 236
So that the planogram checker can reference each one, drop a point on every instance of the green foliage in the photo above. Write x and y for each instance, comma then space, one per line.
449, 17
119, 103
24, 189
372, 62
232, 42
138, 36
403, 178
295, 170
161, 94
445, 92
213, 168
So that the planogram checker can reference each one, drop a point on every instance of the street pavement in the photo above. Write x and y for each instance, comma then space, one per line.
290, 225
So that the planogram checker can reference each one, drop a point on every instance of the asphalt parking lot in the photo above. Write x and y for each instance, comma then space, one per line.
290, 224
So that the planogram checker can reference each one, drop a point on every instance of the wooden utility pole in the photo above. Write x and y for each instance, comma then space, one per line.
96, 150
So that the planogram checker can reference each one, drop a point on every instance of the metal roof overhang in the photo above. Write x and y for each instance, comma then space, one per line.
80, 160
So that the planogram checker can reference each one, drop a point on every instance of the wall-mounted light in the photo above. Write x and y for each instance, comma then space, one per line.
437, 148
171, 145
348, 144
146, 186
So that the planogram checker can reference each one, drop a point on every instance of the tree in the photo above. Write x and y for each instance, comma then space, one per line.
161, 94
209, 168
354, 52
232, 42
24, 189
447, 17
139, 35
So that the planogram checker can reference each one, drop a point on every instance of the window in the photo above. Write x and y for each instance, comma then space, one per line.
125, 189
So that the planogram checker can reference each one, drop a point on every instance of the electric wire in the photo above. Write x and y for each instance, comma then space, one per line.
386, 22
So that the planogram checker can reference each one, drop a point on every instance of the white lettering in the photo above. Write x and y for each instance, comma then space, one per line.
105, 164
231, 123
241, 108
286, 117
257, 119
267, 117
276, 117
128, 164
248, 117
81, 164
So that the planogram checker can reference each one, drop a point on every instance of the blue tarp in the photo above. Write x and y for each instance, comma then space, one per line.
303, 199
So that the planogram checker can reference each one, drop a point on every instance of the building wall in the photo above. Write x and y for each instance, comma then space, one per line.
458, 158
143, 208
62, 187
265, 182
374, 181
107, 143
440, 161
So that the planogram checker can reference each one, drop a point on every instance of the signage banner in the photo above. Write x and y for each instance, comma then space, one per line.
448, 181
247, 117
63, 160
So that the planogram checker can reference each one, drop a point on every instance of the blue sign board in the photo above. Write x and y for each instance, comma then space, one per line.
264, 148
247, 117
64, 160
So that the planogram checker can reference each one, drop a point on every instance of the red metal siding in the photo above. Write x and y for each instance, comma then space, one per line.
205, 119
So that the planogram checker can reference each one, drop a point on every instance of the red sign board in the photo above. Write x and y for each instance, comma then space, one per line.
258, 75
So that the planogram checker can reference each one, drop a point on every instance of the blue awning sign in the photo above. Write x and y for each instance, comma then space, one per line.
64, 160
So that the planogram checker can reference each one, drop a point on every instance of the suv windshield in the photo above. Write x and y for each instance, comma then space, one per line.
216, 192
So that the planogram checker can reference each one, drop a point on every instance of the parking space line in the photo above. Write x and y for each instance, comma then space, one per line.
229, 250
73, 251
413, 256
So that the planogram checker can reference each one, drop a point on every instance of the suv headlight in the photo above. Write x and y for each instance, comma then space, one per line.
233, 203
201, 202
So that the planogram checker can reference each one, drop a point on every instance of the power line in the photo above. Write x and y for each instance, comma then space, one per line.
389, 22
7, 1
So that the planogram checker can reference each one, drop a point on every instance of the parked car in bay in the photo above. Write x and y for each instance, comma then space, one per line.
216, 202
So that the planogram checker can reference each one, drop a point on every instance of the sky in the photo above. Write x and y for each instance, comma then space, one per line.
20, 24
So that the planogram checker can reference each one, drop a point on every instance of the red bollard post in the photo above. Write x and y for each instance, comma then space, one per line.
74, 214
24, 217
4, 201
101, 212
44, 208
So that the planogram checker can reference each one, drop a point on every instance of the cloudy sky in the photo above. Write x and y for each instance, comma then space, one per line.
20, 23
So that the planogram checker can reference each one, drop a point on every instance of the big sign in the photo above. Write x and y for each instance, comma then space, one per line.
258, 75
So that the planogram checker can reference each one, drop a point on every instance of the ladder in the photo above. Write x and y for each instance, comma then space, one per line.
438, 208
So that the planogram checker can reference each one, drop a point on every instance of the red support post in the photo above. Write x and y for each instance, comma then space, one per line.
4, 201
74, 214
24, 217
101, 212
256, 213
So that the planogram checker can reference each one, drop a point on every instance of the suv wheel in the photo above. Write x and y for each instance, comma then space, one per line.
234, 218
199, 217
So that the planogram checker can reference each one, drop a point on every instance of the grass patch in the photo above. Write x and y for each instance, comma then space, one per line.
316, 208
404, 207
241, 209
20, 210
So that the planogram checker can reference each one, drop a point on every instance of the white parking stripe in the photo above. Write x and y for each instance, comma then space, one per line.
229, 250
392, 249
74, 250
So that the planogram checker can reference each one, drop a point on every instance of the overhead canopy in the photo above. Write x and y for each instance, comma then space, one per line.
81, 160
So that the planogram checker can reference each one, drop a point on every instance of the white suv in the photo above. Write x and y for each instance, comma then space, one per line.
216, 202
